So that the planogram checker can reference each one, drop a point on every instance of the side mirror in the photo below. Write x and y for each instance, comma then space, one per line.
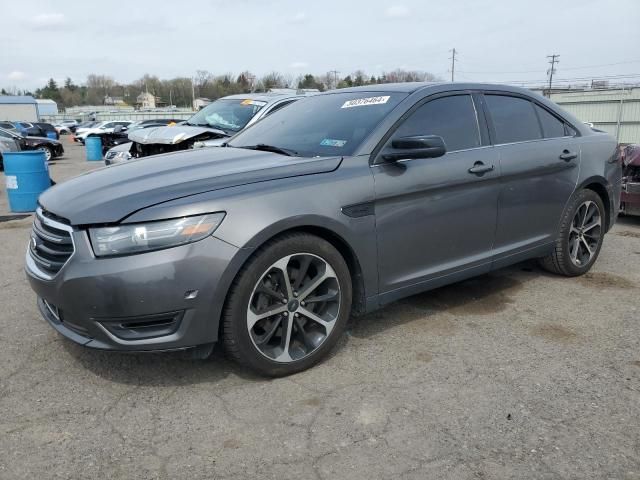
119, 128
419, 146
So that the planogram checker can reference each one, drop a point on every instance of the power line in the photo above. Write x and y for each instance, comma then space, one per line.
583, 67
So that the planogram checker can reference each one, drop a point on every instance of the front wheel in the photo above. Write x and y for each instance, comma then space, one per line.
581, 234
288, 305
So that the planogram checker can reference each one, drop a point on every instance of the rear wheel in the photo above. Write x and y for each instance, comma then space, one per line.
288, 305
581, 234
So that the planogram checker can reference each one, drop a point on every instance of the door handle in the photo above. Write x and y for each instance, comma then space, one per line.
567, 156
480, 168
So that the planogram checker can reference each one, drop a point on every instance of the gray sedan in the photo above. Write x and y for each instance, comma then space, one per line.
331, 207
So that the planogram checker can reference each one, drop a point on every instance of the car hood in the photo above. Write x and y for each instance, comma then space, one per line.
111, 194
170, 135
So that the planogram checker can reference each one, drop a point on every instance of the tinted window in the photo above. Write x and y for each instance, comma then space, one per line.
279, 106
453, 118
321, 125
514, 119
551, 126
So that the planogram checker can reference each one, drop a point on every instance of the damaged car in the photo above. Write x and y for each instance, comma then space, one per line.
334, 206
207, 128
630, 197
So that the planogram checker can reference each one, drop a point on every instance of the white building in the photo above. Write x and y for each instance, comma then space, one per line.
18, 108
47, 106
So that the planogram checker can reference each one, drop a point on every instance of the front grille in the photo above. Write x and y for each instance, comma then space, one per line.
51, 244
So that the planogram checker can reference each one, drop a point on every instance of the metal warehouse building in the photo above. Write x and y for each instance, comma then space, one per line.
616, 111
18, 108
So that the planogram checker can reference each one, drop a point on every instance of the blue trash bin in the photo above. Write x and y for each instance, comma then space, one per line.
93, 146
27, 176
52, 135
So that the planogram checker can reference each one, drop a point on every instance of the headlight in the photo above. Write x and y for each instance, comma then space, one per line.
145, 237
116, 157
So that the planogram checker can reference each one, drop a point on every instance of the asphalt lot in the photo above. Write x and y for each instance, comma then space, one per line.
518, 374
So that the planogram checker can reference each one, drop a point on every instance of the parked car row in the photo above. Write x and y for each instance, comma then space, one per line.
12, 141
31, 129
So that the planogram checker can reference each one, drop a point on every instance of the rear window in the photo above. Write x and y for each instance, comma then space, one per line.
552, 127
514, 119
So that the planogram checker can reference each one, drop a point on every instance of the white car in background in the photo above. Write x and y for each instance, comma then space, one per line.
65, 127
100, 127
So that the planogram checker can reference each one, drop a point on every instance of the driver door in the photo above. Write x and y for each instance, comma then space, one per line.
435, 219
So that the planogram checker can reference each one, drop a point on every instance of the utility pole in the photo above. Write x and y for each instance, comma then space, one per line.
335, 78
453, 63
193, 95
552, 70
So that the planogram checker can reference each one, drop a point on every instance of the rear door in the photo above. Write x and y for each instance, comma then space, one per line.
539, 160
433, 216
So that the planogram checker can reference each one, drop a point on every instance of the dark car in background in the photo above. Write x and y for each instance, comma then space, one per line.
51, 148
42, 129
331, 207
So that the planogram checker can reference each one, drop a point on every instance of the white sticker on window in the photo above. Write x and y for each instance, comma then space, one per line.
361, 102
12, 182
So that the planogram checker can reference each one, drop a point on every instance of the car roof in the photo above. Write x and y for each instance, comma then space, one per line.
266, 96
411, 87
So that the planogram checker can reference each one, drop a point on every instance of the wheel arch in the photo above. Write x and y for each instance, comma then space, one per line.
323, 229
599, 185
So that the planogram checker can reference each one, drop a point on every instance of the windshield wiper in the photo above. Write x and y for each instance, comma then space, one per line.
272, 148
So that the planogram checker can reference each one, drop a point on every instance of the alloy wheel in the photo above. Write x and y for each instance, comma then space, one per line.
47, 153
293, 307
585, 233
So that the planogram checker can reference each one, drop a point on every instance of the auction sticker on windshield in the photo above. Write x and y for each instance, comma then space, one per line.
361, 102
330, 142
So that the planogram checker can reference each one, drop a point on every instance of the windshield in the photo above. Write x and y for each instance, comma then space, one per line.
228, 115
323, 125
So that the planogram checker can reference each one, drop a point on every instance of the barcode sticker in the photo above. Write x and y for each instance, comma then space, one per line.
361, 102
12, 182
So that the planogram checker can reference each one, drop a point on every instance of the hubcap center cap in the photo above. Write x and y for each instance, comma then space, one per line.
293, 305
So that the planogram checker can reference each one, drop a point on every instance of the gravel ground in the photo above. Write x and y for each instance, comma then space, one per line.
518, 374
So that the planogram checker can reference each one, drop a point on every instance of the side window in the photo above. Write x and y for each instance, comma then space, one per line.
5, 135
514, 119
453, 118
552, 127
279, 106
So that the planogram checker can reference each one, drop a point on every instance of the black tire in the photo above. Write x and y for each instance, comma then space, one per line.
559, 261
236, 337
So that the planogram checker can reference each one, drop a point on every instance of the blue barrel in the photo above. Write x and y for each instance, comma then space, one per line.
93, 146
52, 135
27, 176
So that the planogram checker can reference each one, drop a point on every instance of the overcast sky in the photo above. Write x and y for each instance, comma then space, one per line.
497, 40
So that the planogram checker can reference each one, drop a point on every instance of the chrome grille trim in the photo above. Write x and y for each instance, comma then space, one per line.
61, 246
